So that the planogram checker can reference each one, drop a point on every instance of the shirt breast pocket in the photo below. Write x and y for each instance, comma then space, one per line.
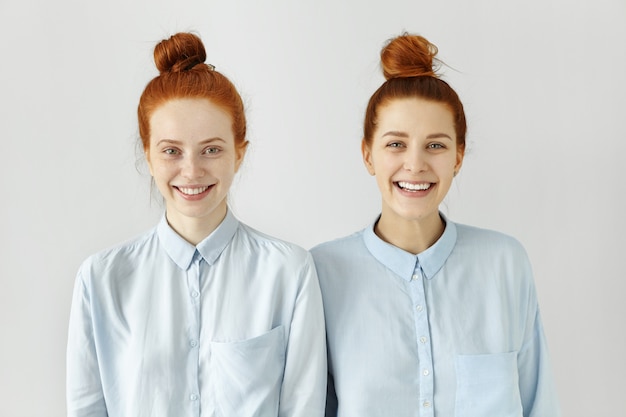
487, 385
248, 374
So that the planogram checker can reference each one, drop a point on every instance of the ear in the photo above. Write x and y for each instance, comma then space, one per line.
240, 153
460, 154
367, 157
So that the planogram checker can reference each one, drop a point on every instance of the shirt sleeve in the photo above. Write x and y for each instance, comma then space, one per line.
84, 392
536, 383
304, 383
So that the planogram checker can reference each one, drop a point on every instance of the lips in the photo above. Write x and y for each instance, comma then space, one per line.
414, 187
192, 190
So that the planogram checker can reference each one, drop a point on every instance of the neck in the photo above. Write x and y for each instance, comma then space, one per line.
195, 229
413, 236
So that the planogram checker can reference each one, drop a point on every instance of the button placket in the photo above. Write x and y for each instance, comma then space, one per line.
193, 283
424, 347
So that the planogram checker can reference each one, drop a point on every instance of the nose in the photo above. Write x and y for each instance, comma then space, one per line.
192, 167
414, 161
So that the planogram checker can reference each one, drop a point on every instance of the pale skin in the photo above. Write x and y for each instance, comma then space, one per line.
193, 159
414, 156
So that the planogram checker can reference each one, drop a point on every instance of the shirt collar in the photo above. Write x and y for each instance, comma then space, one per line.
182, 252
403, 263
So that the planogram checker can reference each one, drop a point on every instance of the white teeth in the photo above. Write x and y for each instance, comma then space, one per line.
413, 187
192, 191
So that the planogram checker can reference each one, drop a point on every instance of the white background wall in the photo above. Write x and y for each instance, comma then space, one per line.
543, 83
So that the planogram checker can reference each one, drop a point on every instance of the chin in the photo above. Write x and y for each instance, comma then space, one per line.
417, 215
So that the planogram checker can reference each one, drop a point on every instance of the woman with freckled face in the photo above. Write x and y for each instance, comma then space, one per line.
193, 159
424, 316
202, 315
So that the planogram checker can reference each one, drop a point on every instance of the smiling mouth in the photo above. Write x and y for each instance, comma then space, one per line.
407, 186
192, 191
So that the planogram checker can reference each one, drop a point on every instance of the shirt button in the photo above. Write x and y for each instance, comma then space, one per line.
419, 308
195, 294
426, 372
426, 404
193, 397
414, 277
193, 343
423, 339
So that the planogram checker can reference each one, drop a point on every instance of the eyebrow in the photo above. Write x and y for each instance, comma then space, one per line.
399, 134
178, 142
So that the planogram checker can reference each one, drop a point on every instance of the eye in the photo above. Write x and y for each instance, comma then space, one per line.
170, 151
435, 146
212, 150
395, 145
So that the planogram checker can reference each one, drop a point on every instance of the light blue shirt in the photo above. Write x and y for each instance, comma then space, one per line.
452, 332
232, 327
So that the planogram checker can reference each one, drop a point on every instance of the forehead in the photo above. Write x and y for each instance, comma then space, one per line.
190, 119
414, 115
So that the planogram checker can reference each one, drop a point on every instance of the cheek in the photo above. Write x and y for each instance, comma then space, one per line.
383, 178
386, 165
226, 166
162, 170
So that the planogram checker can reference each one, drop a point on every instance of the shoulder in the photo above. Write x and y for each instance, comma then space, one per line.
480, 239
339, 247
497, 262
266, 245
124, 253
490, 252
341, 256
